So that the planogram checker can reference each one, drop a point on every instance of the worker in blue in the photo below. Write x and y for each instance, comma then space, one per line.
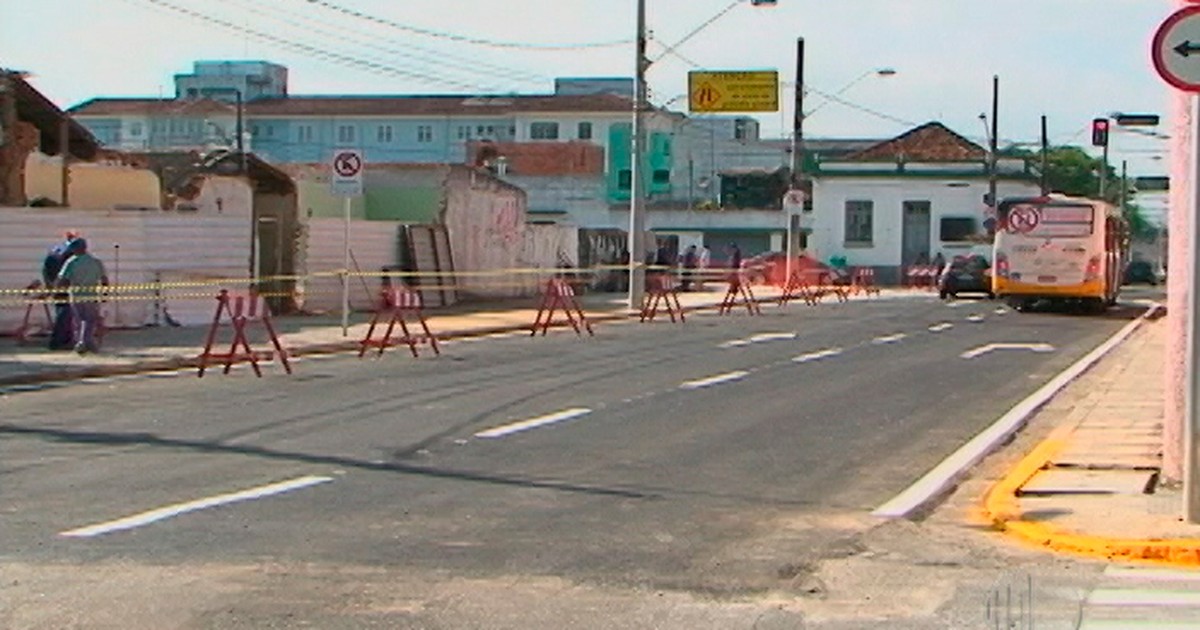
62, 335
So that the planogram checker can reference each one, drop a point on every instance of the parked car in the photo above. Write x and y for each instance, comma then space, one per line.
966, 275
1141, 272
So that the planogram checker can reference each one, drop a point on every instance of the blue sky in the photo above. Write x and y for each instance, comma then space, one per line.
1068, 59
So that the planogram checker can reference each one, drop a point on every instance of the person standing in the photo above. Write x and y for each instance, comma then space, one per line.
689, 266
83, 275
705, 259
61, 335
735, 264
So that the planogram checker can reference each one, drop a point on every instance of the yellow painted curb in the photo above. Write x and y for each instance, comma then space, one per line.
1003, 510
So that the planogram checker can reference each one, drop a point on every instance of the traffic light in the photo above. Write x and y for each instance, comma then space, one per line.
1100, 132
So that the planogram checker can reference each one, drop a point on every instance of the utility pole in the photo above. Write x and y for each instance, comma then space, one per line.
797, 153
637, 193
993, 147
64, 152
1045, 158
1191, 429
241, 144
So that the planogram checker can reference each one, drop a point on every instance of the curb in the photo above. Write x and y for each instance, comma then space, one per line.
945, 476
1002, 509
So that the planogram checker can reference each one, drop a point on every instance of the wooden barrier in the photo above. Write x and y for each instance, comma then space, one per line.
739, 289
661, 289
557, 294
399, 303
241, 309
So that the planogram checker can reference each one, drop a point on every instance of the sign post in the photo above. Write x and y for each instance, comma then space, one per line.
346, 181
1176, 54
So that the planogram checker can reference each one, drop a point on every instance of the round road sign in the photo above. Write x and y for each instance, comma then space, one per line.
347, 164
1176, 49
1023, 220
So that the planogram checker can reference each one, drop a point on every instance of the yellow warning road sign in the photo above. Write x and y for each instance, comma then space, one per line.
733, 91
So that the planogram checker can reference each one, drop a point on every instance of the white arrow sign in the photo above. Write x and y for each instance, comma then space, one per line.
982, 350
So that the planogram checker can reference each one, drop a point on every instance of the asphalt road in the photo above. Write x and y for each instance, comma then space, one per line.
714, 462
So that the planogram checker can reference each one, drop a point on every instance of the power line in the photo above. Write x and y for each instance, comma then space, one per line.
720, 14
320, 53
463, 38
352, 35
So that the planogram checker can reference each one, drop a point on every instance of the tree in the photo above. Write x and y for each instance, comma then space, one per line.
1071, 171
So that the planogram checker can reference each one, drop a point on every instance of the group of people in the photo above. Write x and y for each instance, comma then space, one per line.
75, 277
695, 262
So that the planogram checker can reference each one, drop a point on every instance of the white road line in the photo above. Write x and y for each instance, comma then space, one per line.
889, 338
935, 482
759, 338
1143, 597
818, 355
533, 423
1000, 310
982, 350
784, 336
176, 509
937, 328
975, 318
714, 380
1147, 573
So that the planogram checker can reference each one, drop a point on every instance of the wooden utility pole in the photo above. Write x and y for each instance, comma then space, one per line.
12, 190
64, 152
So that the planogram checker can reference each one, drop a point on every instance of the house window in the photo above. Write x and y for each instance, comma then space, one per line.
270, 130
958, 228
661, 176
512, 131
543, 131
859, 220
585, 131
384, 133
304, 133
255, 131
424, 133
135, 130
464, 133
345, 133
624, 179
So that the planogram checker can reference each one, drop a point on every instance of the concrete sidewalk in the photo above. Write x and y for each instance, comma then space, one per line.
171, 348
1093, 486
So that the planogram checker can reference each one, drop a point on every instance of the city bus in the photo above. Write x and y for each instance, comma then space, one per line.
1061, 249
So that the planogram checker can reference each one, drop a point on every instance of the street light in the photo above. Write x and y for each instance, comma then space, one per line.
874, 72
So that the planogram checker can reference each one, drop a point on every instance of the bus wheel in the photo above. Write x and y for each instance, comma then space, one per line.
1095, 306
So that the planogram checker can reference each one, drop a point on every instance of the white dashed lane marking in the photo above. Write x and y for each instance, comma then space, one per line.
888, 338
714, 380
533, 423
817, 356
937, 328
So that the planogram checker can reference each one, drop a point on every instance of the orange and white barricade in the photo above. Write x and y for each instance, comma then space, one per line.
558, 294
400, 304
800, 286
240, 310
863, 281
663, 289
739, 289
921, 277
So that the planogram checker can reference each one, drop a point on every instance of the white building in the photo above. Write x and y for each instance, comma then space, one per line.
908, 199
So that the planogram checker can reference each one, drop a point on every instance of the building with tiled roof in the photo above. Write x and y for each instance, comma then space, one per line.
907, 199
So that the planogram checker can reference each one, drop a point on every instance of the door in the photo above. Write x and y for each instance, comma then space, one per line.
915, 237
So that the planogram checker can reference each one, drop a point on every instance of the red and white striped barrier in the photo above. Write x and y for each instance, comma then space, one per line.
863, 281
558, 294
241, 309
661, 289
921, 276
399, 303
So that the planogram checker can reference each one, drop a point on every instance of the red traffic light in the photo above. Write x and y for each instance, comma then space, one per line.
1100, 132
